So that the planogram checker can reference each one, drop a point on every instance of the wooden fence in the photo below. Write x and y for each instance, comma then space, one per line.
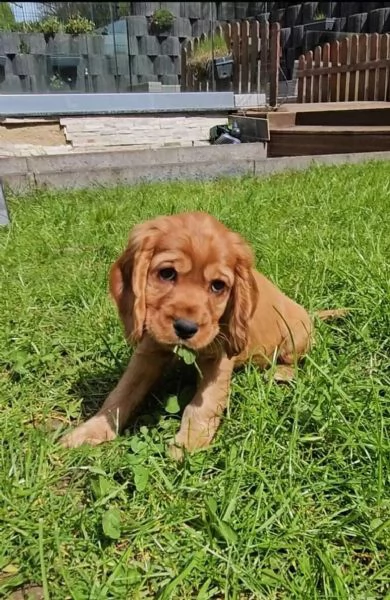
255, 48
357, 68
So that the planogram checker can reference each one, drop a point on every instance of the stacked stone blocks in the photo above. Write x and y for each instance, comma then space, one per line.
91, 63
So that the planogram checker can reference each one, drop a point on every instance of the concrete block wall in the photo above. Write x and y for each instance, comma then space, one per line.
123, 56
158, 56
309, 24
301, 28
29, 63
129, 55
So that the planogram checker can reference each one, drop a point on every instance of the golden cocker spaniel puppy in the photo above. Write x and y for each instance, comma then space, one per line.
188, 280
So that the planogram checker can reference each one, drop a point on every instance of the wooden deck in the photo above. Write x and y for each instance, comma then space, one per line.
326, 106
325, 128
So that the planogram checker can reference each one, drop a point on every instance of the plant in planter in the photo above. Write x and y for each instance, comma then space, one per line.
24, 48
77, 25
56, 84
201, 61
25, 27
161, 21
49, 27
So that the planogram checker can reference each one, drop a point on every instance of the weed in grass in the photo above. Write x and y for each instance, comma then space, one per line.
292, 500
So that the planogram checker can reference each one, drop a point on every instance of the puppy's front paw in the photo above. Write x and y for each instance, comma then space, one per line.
175, 451
95, 431
189, 441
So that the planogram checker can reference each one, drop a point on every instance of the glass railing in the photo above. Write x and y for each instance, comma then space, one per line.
106, 47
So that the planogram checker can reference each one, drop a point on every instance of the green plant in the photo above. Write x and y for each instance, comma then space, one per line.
7, 19
50, 26
78, 24
162, 19
26, 26
31, 27
56, 83
203, 53
319, 16
24, 48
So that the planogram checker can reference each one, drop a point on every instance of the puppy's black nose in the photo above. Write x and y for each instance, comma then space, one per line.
185, 329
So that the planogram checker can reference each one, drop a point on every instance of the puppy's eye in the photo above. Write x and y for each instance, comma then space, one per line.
167, 274
217, 286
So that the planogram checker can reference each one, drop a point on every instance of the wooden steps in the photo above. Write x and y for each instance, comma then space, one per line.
312, 140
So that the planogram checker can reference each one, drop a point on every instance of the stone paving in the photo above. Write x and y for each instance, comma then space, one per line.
91, 134
135, 131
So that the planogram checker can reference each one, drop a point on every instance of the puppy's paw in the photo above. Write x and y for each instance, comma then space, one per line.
190, 441
93, 432
282, 374
175, 451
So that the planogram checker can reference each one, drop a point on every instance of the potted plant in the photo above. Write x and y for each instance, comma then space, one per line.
321, 23
74, 41
49, 27
77, 25
57, 85
201, 61
161, 21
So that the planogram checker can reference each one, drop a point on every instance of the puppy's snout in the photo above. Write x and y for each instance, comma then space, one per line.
184, 328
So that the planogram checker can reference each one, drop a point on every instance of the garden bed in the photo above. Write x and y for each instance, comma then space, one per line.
36, 132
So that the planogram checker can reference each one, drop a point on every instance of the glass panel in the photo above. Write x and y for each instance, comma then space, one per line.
92, 47
65, 47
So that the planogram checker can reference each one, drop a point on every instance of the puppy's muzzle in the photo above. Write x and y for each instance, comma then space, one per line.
184, 328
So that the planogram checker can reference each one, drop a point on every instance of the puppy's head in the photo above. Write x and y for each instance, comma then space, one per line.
186, 279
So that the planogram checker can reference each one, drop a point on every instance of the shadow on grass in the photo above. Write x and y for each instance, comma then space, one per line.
93, 387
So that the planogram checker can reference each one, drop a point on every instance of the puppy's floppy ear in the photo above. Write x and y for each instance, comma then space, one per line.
128, 277
243, 299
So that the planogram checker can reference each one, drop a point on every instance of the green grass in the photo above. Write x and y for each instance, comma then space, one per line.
292, 500
206, 47
203, 53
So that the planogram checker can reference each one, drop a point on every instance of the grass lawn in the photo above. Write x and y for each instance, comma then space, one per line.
292, 500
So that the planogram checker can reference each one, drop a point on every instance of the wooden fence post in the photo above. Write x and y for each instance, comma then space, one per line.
353, 76
334, 77
325, 78
344, 57
309, 78
383, 73
235, 31
274, 64
301, 78
373, 73
363, 57
245, 75
317, 78
254, 56
264, 48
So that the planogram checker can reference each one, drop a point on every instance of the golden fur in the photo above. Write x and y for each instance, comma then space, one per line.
191, 267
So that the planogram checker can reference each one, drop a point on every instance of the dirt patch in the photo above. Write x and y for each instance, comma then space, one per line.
28, 592
41, 134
